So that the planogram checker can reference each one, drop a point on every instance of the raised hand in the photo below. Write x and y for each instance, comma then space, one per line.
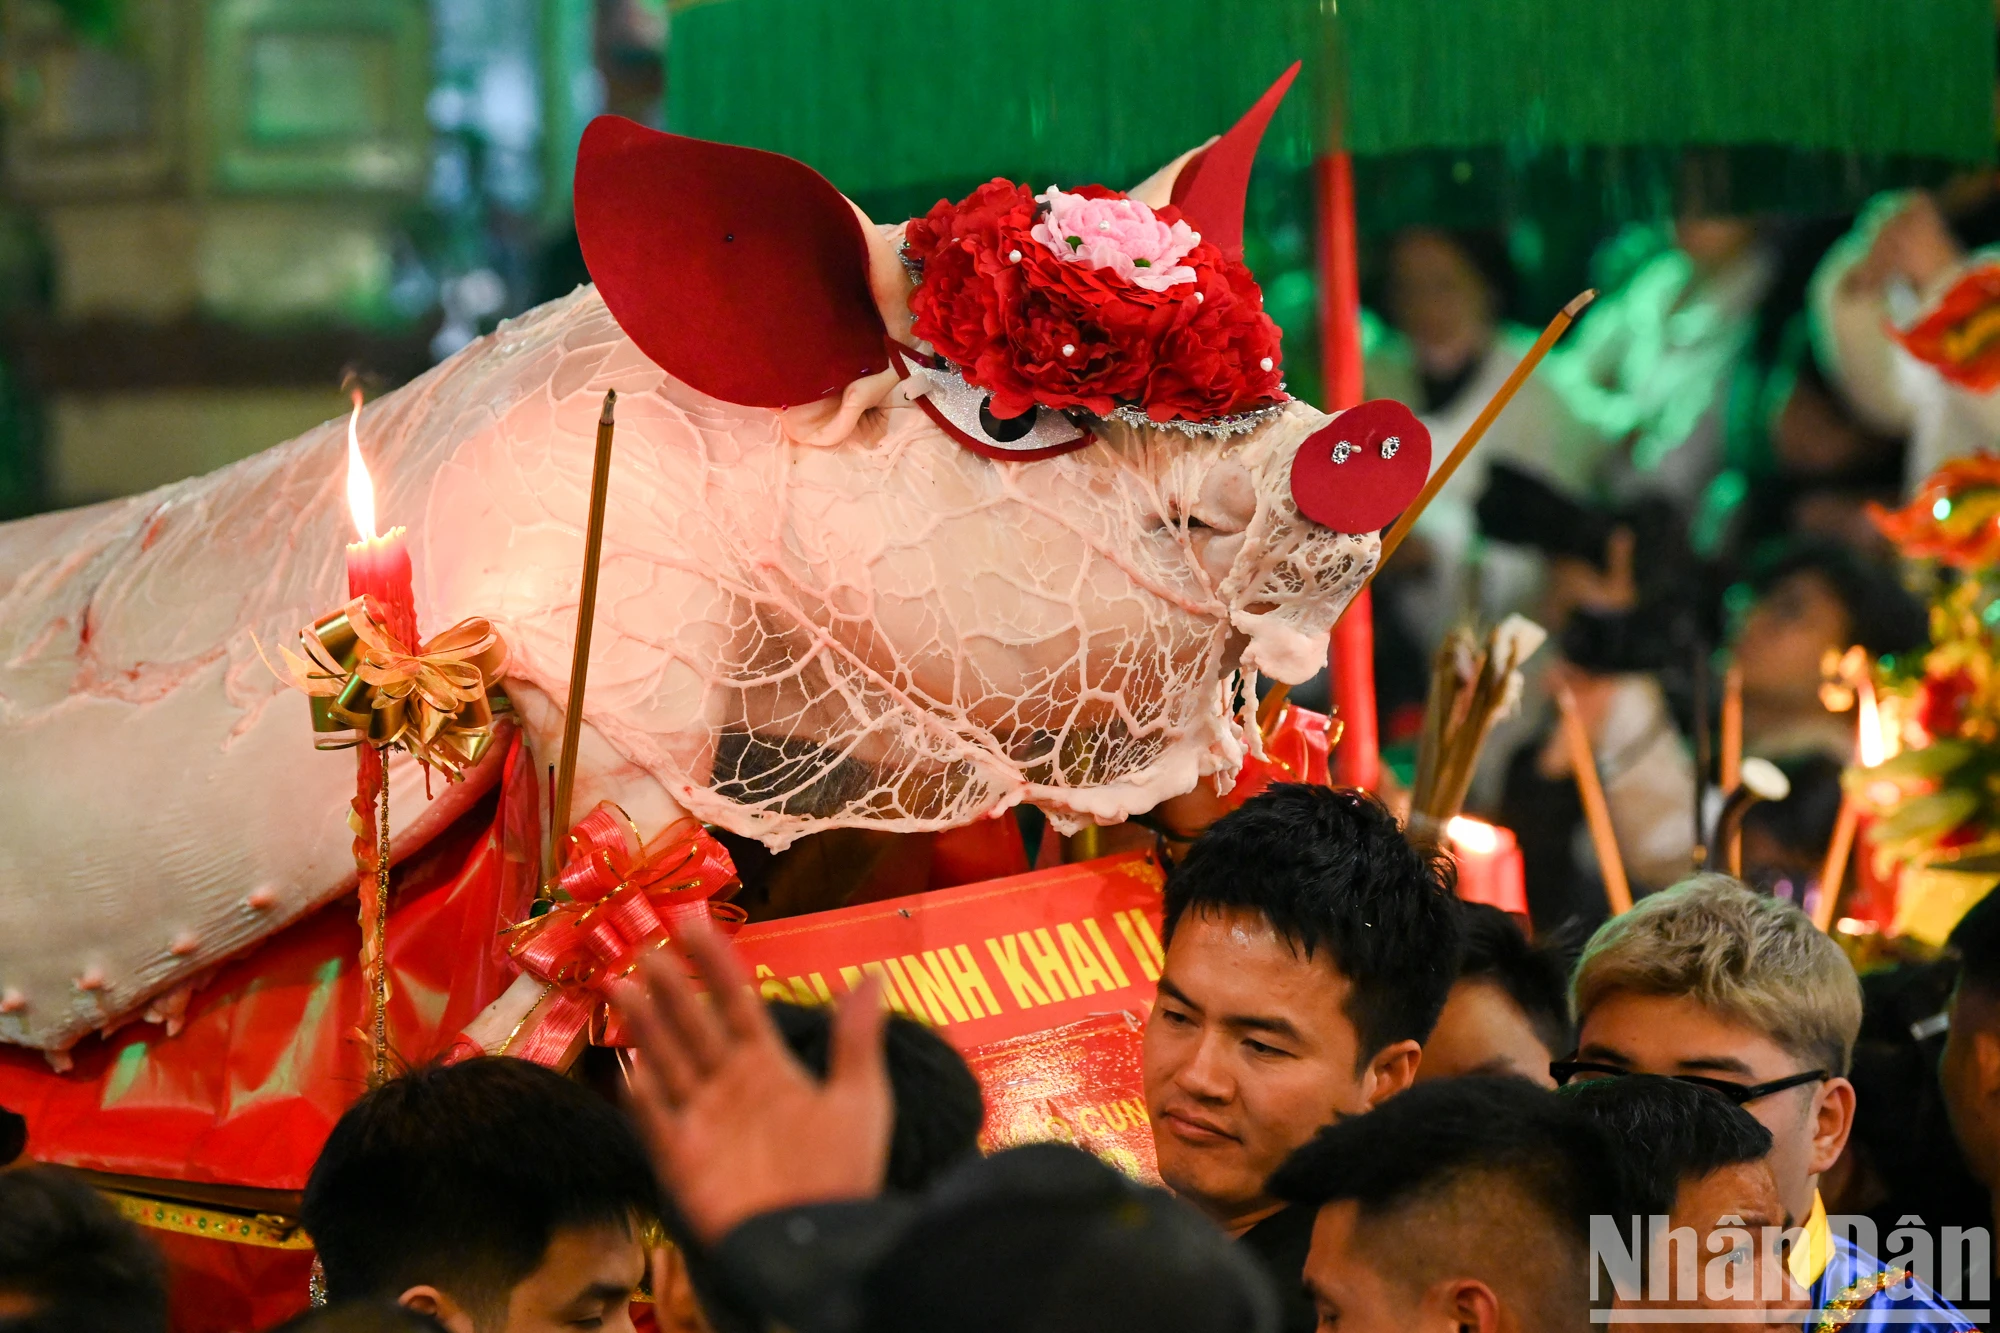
736, 1126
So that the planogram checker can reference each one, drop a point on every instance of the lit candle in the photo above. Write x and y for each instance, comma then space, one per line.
1870, 749
1489, 864
377, 567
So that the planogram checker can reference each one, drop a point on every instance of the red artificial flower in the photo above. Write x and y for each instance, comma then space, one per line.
1031, 327
1954, 517
1960, 337
1941, 703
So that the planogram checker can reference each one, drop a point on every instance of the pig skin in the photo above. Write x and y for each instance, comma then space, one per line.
889, 632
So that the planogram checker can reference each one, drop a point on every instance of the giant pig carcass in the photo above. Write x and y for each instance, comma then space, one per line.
896, 539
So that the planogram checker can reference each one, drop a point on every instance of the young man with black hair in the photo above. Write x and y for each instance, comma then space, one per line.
495, 1196
1508, 1012
70, 1264
1309, 948
778, 1174
1461, 1205
1692, 1157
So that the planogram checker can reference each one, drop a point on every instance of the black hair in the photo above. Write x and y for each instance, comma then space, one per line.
1804, 821
1049, 1239
1534, 977
1668, 1132
77, 1265
939, 1108
1332, 867
361, 1317
1975, 942
13, 1135
459, 1176
1462, 1133
1882, 616
1485, 249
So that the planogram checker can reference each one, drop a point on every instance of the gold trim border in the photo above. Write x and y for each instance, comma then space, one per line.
262, 1229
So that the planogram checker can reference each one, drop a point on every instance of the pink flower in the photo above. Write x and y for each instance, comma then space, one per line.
1118, 234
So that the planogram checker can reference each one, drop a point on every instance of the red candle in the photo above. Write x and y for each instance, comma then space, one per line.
377, 567
1490, 869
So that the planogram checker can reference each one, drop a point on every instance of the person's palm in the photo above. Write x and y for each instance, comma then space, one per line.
735, 1125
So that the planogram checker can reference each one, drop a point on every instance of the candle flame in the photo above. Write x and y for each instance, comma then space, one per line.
1870, 747
1473, 835
360, 486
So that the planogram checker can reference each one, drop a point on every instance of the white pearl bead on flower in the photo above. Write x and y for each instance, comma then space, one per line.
1104, 226
1069, 349
1199, 298
1013, 256
1266, 363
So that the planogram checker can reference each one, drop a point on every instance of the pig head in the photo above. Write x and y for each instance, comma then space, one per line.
825, 614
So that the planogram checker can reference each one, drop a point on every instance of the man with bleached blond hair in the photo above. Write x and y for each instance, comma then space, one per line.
1713, 984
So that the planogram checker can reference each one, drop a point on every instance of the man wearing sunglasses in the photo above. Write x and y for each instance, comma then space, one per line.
1734, 991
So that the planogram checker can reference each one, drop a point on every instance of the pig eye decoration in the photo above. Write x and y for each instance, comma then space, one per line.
965, 412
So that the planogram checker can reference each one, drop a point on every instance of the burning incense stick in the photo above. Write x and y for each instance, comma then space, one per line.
1274, 702
586, 613
1596, 812
1494, 405
1730, 765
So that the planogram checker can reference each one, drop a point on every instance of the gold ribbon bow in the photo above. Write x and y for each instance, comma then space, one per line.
368, 688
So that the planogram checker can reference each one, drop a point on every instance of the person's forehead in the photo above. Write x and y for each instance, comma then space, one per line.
1234, 956
1661, 1033
1745, 1190
1334, 1233
1486, 997
602, 1253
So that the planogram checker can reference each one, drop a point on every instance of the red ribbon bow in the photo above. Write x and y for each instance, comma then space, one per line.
624, 901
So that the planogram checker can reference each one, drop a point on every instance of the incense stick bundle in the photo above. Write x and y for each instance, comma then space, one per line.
1472, 687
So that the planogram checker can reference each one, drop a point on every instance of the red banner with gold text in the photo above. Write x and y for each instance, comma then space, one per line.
986, 961
1043, 981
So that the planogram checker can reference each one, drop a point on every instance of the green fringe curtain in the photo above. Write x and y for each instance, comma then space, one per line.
1871, 77
893, 95
890, 94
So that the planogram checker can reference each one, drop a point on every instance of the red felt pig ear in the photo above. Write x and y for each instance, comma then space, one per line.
1360, 470
741, 273
1211, 188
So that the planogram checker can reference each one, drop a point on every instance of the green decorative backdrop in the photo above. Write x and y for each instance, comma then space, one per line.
888, 94
1888, 78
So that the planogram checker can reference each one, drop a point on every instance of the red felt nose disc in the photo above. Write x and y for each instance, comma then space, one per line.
1360, 470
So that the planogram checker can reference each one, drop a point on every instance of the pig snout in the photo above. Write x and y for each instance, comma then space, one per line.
1289, 577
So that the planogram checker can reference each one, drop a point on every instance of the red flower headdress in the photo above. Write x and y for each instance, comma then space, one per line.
1089, 302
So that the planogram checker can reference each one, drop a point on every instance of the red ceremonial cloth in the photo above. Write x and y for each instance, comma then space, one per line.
245, 1093
1040, 978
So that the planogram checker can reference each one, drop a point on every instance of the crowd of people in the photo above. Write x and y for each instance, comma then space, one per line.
1374, 1107
1682, 487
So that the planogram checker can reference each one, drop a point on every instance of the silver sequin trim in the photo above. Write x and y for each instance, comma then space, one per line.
1391, 445
1240, 423
1342, 452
